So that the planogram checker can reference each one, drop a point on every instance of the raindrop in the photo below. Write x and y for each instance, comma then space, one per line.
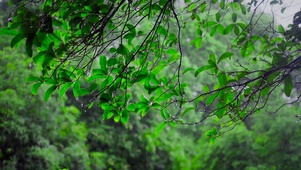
88, 73
10, 19
77, 99
85, 110
81, 105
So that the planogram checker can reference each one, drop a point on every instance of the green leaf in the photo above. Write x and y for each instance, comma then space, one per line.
222, 79
16, 39
162, 30
33, 78
28, 45
234, 17
265, 91
213, 30
112, 61
129, 36
117, 118
198, 42
122, 50
48, 93
173, 124
187, 110
7, 31
159, 67
125, 117
211, 99
131, 107
217, 16
288, 85
93, 87
173, 58
212, 140
236, 30
109, 114
224, 56
103, 62
172, 52
209, 24
131, 28
228, 29
164, 114
220, 29
64, 88
220, 111
201, 69
205, 88
160, 128
281, 29
243, 9
76, 87
35, 87
83, 92
187, 70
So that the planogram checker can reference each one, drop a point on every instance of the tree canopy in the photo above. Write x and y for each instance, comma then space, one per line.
135, 57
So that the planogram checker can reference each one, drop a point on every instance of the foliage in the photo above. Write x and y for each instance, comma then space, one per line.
70, 133
39, 135
113, 46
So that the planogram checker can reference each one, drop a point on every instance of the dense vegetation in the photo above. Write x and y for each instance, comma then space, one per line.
68, 132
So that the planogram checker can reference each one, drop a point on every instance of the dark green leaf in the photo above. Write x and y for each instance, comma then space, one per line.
129, 36
29, 44
243, 9
35, 87
48, 93
217, 16
112, 61
122, 50
93, 87
33, 78
16, 39
236, 30
234, 17
288, 85
64, 88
